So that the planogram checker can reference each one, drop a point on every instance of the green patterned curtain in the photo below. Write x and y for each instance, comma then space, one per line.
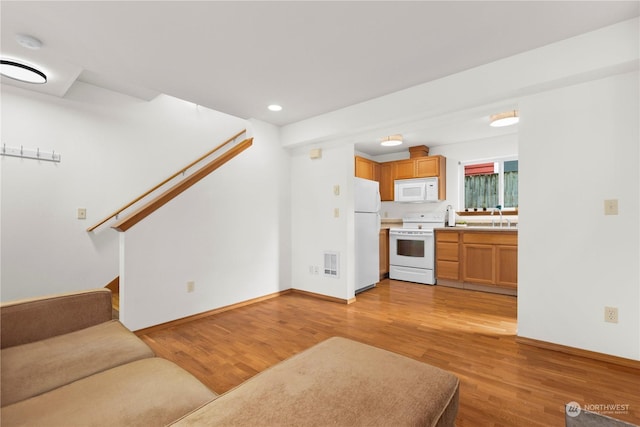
481, 191
511, 189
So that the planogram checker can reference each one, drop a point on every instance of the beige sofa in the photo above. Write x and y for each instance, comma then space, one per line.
64, 362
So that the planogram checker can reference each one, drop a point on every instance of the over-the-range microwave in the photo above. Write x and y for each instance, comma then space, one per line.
416, 190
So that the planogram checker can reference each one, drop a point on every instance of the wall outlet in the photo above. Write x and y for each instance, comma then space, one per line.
82, 213
611, 314
191, 286
611, 207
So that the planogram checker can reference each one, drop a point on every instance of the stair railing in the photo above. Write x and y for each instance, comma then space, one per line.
175, 190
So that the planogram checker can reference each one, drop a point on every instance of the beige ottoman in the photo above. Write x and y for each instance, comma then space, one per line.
337, 382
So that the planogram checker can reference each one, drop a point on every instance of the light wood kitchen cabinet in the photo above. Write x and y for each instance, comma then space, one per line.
423, 167
448, 255
479, 264
384, 253
404, 169
507, 266
429, 166
386, 182
367, 169
418, 167
480, 260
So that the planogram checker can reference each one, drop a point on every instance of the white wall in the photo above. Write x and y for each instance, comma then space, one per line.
579, 147
229, 234
113, 148
315, 229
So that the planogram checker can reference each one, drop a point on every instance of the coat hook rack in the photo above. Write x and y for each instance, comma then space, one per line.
27, 153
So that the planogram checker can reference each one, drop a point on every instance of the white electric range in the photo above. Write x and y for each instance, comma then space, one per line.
412, 248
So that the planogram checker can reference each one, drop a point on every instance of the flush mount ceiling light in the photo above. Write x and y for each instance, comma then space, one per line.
21, 72
274, 107
391, 140
507, 118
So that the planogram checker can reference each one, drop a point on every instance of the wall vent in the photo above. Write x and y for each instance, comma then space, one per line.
331, 265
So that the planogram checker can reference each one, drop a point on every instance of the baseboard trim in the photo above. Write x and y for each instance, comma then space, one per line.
180, 321
324, 297
573, 351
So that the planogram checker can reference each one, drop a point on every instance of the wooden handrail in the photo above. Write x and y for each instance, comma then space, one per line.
184, 169
148, 208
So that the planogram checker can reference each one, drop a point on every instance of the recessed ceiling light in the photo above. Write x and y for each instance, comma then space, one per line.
21, 72
28, 41
391, 140
275, 107
507, 118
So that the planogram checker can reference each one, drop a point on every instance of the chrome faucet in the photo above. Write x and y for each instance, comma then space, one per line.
493, 222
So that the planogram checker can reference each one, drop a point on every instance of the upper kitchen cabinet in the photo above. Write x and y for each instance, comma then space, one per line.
423, 167
367, 169
386, 182
420, 167
404, 169
430, 166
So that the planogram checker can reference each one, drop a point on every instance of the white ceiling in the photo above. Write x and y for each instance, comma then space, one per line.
310, 57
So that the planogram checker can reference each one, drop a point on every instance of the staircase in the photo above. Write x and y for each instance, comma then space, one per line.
114, 287
145, 204
156, 197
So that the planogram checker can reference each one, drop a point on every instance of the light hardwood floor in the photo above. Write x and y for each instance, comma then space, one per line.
472, 334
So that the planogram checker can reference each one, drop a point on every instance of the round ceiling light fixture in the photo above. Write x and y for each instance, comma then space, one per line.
391, 140
24, 73
507, 118
275, 107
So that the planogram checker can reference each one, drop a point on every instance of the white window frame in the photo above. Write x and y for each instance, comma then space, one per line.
500, 161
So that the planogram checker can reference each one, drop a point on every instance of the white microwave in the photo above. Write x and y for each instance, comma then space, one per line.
416, 190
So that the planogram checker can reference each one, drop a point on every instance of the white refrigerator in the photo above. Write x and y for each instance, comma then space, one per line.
367, 226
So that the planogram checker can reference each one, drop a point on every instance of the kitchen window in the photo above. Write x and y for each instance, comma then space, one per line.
489, 183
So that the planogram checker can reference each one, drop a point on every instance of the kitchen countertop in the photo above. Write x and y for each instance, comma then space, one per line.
388, 223
482, 228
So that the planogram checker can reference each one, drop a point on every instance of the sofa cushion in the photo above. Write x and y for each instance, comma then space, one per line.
39, 318
148, 392
30, 369
338, 382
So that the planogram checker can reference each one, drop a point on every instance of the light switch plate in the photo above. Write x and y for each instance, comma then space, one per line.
82, 213
336, 190
611, 207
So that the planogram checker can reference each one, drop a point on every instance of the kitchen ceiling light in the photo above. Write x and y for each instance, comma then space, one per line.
507, 118
391, 141
24, 73
275, 107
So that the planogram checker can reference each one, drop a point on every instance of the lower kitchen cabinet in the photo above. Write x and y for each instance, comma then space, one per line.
479, 264
384, 253
481, 260
448, 255
507, 266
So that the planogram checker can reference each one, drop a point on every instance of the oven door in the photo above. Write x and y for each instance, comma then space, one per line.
411, 248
